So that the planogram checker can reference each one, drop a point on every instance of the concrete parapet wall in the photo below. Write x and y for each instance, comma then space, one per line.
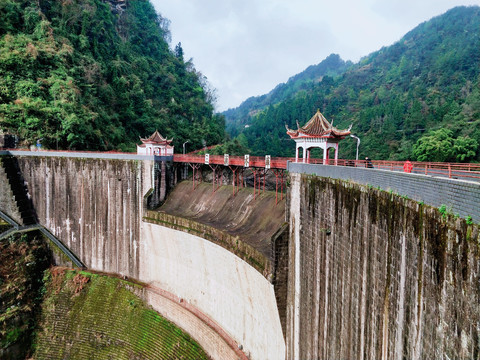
459, 196
378, 276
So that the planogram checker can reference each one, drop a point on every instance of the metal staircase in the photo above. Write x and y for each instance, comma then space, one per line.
19, 190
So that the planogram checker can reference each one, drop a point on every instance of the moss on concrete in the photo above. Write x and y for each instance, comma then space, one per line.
400, 275
92, 316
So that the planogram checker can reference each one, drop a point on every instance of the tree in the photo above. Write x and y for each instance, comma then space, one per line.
441, 146
79, 76
437, 146
465, 149
179, 51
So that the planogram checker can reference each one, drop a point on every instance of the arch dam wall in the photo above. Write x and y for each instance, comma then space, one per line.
371, 273
97, 206
375, 275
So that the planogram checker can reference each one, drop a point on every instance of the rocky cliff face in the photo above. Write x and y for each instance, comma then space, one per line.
378, 276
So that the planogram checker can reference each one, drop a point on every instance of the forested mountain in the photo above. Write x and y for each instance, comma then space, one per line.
419, 98
93, 74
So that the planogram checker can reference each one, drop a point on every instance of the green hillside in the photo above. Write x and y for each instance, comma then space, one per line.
88, 74
419, 98
49, 312
90, 316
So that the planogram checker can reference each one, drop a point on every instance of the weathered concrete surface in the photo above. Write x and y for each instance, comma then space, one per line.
378, 276
254, 221
14, 197
217, 282
7, 200
93, 206
253, 228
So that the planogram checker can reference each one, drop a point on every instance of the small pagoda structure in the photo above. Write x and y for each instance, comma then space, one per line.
156, 144
317, 133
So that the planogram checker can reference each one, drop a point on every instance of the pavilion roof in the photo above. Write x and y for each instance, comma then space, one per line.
317, 126
156, 138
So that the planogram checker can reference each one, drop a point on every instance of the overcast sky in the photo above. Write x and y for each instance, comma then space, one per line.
246, 47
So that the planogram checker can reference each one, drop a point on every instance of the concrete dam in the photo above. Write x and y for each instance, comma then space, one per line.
354, 264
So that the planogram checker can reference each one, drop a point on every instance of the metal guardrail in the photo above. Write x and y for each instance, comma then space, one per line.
469, 171
8, 219
71, 256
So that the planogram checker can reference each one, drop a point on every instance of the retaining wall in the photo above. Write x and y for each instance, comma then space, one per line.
378, 276
92, 205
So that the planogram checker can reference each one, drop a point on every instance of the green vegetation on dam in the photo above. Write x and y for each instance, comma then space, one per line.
90, 316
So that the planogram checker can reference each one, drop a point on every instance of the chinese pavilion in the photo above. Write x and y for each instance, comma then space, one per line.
317, 133
155, 145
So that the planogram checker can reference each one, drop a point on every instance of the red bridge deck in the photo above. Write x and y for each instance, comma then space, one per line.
468, 171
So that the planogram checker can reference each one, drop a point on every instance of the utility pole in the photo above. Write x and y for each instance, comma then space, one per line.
358, 144
185, 171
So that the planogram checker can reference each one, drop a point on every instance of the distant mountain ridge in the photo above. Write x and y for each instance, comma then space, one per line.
333, 65
395, 97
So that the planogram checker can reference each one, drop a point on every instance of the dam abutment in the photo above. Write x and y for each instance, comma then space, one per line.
377, 275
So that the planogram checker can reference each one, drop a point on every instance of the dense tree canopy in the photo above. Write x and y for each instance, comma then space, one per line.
428, 80
441, 146
81, 74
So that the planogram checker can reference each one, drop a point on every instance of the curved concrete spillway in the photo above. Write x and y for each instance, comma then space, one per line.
217, 251
217, 282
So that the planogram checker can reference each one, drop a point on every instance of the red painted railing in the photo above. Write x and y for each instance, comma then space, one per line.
254, 161
451, 170
470, 171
